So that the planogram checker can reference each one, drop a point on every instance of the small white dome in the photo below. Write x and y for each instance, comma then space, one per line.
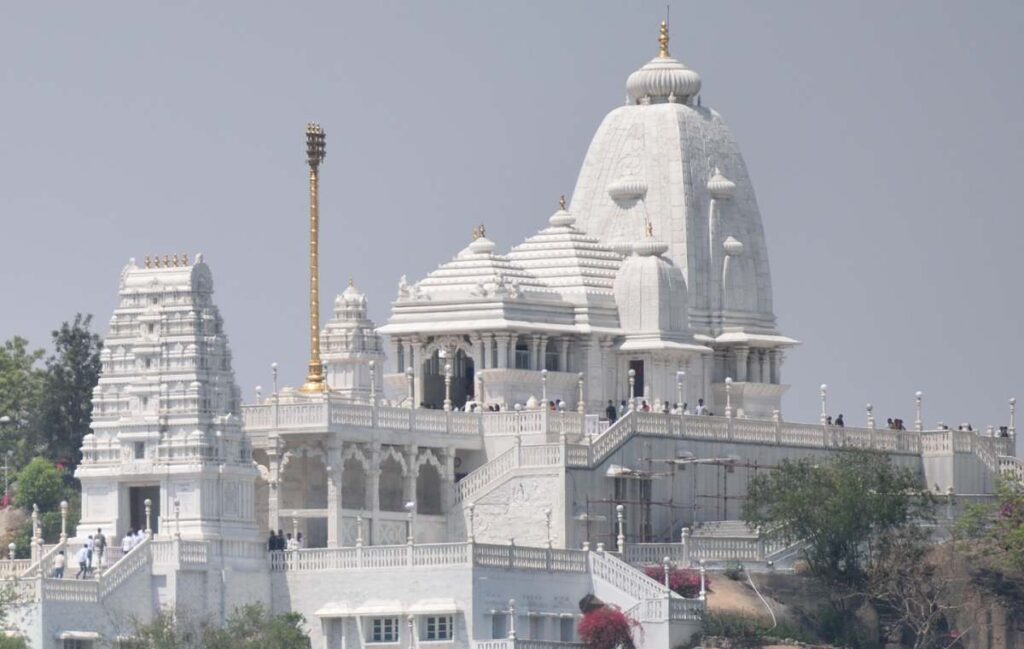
481, 246
650, 292
627, 189
351, 303
561, 219
721, 187
733, 247
663, 77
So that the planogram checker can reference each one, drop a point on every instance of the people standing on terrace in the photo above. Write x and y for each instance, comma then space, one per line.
701, 408
839, 421
83, 563
610, 413
58, 565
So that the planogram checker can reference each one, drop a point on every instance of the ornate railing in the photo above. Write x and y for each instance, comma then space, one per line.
1011, 467
429, 555
14, 567
324, 415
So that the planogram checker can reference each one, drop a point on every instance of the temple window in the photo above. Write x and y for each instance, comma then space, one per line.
391, 498
353, 485
522, 355
551, 358
428, 490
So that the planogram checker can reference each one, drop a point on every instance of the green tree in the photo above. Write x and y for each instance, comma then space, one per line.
248, 627
9, 598
838, 507
72, 372
40, 483
999, 525
22, 384
252, 627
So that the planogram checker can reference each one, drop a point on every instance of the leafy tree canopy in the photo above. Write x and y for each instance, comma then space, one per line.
248, 627
72, 371
21, 389
40, 483
839, 506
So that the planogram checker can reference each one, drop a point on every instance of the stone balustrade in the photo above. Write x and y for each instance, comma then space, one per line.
429, 555
331, 414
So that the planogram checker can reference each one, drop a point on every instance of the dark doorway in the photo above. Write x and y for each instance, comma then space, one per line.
638, 385
462, 380
137, 507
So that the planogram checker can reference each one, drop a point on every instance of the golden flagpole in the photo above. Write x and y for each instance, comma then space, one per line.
315, 154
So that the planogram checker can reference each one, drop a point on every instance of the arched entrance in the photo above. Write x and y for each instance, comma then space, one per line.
463, 385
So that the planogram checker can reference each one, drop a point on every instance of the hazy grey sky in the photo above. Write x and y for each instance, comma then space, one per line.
885, 141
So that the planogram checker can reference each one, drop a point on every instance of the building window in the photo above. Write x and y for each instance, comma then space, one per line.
384, 629
140, 450
522, 356
551, 358
567, 629
150, 328
69, 643
438, 627
498, 626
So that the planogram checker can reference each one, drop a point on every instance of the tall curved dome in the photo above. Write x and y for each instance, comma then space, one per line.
665, 158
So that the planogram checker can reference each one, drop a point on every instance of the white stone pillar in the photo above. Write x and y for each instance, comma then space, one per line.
742, 352
563, 354
373, 476
335, 535
274, 455
502, 342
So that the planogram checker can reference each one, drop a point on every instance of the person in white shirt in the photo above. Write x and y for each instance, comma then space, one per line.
83, 562
126, 542
58, 565
701, 408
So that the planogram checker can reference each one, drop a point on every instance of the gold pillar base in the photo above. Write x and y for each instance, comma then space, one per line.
314, 380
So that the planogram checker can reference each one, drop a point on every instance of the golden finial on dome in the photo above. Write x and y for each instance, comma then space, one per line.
479, 232
561, 202
350, 282
663, 41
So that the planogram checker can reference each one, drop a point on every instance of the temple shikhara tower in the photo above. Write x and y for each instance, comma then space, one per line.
454, 476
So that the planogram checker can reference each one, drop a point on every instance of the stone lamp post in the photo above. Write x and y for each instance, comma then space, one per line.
581, 406
823, 391
680, 386
11, 549
544, 387
632, 388
63, 521
728, 396
410, 508
148, 504
447, 387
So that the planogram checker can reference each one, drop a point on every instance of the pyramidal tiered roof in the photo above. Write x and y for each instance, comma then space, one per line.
480, 272
568, 260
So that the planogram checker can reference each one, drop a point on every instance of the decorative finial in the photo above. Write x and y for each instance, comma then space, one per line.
167, 262
184, 259
663, 41
175, 259
479, 232
649, 229
147, 262
561, 202
350, 282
